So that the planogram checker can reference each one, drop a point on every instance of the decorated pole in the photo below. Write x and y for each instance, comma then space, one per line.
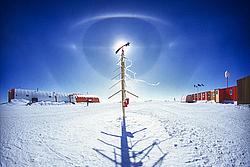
124, 100
125, 159
123, 83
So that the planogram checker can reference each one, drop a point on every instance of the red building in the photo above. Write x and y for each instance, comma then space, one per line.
77, 98
212, 95
80, 99
226, 95
199, 96
195, 97
208, 95
187, 99
203, 97
231, 94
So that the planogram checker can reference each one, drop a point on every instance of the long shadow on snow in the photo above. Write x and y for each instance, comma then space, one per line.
136, 156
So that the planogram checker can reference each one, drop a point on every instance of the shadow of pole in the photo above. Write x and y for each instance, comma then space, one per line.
126, 150
124, 146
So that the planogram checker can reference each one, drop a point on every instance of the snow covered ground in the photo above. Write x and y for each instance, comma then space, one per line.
155, 133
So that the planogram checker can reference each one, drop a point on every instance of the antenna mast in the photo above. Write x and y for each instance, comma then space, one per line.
227, 75
124, 101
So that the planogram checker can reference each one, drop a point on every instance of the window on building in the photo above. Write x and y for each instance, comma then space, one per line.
49, 96
27, 95
231, 92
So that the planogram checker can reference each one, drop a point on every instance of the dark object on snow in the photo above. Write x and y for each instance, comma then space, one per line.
243, 85
34, 99
29, 103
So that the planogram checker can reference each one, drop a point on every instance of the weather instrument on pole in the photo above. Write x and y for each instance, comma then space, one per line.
227, 75
124, 99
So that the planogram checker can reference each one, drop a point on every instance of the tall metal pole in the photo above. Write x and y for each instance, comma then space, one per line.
123, 82
227, 82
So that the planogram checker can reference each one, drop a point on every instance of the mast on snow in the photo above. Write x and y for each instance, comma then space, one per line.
124, 100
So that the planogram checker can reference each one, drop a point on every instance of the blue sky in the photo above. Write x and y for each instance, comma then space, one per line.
68, 46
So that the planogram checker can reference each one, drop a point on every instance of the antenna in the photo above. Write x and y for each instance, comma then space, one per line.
227, 75
124, 101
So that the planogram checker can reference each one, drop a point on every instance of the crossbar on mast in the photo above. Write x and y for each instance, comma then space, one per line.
114, 94
115, 84
132, 93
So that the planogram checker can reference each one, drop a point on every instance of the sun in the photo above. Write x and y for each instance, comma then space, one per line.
119, 43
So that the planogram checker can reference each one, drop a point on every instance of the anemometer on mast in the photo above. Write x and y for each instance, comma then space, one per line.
124, 99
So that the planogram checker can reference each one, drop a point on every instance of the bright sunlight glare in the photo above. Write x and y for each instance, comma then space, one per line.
119, 43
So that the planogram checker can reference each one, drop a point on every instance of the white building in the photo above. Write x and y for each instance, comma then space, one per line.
35, 95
